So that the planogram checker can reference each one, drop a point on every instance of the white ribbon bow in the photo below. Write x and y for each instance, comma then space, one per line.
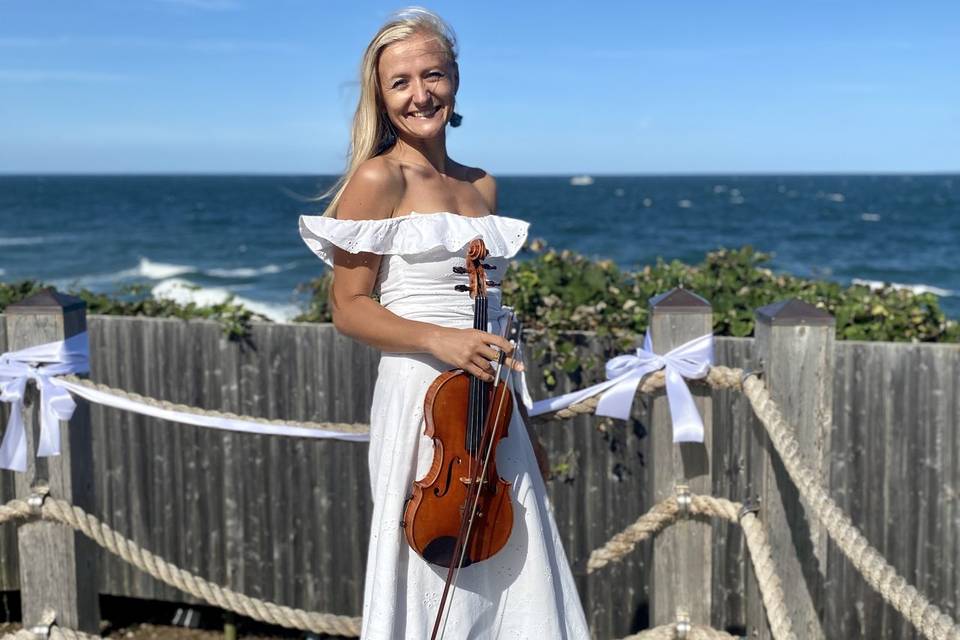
39, 363
624, 373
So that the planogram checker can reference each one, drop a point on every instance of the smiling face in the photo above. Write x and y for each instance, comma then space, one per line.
418, 83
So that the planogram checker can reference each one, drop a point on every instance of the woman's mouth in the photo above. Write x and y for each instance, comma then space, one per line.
424, 114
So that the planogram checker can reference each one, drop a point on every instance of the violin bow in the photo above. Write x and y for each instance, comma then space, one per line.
466, 523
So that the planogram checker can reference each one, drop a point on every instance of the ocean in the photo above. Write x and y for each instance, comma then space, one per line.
205, 237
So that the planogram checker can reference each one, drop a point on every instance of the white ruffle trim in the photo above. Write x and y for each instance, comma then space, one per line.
413, 234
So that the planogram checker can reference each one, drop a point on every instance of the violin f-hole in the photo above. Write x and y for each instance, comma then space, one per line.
440, 492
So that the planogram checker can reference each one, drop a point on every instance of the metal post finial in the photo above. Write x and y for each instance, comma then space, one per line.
38, 495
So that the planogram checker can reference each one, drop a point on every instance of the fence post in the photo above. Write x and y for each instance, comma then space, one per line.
57, 565
682, 555
795, 346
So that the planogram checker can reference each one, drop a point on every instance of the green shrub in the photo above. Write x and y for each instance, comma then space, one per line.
136, 300
561, 292
558, 292
570, 292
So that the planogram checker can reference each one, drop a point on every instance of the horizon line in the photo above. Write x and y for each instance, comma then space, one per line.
266, 174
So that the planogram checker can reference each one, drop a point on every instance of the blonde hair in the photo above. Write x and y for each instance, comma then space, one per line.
372, 132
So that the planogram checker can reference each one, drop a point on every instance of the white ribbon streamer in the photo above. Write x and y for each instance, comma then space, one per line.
43, 362
624, 374
39, 363
212, 422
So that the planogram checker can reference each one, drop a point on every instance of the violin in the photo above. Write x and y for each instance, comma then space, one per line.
460, 512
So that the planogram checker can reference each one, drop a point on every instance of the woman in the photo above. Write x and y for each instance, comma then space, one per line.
399, 222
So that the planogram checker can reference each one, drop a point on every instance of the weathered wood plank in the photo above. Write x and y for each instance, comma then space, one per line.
895, 471
795, 349
732, 418
683, 565
9, 567
58, 567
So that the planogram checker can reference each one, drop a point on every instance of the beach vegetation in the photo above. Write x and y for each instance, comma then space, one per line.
559, 292
563, 296
137, 300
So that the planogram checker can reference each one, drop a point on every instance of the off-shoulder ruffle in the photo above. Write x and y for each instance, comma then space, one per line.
413, 234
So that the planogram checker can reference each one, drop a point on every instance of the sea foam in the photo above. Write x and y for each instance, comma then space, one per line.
915, 288
244, 272
184, 292
22, 242
159, 270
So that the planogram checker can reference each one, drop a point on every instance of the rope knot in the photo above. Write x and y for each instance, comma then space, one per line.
40, 364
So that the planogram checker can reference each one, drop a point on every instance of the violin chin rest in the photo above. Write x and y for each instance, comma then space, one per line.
440, 552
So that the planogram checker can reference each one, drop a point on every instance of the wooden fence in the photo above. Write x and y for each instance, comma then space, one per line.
285, 519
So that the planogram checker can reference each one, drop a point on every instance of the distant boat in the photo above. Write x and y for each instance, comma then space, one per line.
581, 181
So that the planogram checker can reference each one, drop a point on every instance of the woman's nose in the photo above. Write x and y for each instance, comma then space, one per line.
421, 94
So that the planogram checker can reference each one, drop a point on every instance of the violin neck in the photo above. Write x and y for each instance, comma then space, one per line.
477, 405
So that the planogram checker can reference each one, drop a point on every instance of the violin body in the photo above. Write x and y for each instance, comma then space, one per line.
433, 516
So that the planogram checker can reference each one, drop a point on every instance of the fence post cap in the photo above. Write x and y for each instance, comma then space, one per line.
679, 301
46, 301
794, 312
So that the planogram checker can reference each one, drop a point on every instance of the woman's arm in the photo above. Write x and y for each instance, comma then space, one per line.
373, 193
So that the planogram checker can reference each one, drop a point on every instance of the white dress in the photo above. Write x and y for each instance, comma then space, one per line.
524, 591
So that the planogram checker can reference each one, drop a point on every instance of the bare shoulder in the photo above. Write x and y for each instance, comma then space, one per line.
485, 184
373, 191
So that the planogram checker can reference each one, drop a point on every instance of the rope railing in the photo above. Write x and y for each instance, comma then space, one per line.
878, 573
64, 513
670, 511
717, 378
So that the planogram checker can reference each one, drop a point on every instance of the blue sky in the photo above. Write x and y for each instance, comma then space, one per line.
260, 86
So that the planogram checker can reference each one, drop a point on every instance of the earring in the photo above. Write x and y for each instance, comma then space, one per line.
456, 119
388, 136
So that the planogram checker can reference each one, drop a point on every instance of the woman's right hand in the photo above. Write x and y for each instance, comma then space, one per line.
471, 350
